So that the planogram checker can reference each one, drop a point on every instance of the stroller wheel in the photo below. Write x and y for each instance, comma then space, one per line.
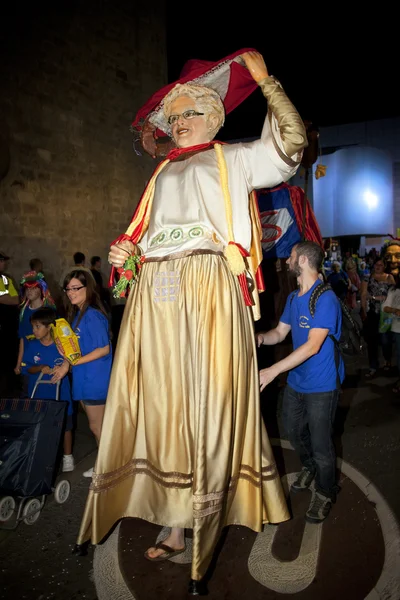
62, 491
31, 511
7, 506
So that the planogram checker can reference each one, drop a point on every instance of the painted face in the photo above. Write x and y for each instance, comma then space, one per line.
32, 293
40, 331
392, 260
293, 263
76, 292
188, 131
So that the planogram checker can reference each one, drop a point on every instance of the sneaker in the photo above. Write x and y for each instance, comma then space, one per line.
89, 472
303, 481
319, 508
68, 463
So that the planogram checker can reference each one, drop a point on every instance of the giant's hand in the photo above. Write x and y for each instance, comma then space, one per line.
256, 65
120, 252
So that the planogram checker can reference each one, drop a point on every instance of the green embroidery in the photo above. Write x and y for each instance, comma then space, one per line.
195, 232
176, 234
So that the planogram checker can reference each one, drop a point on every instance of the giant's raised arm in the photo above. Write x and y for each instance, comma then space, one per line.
283, 125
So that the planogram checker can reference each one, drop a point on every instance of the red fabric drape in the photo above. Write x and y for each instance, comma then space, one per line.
241, 84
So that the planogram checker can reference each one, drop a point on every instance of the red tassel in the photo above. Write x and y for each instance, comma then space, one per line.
245, 290
260, 280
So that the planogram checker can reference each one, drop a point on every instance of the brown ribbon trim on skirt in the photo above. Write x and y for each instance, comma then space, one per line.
183, 254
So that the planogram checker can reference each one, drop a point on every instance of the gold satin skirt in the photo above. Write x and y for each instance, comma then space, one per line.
183, 443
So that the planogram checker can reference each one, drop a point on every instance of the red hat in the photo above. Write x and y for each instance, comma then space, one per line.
229, 77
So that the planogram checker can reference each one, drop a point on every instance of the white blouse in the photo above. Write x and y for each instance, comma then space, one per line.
188, 211
393, 301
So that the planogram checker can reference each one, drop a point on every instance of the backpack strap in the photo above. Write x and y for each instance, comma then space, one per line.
315, 294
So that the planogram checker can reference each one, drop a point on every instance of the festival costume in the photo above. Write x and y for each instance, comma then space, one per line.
183, 400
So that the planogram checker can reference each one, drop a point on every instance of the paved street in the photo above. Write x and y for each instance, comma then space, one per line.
37, 564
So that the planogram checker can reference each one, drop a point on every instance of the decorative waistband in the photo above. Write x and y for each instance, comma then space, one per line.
183, 254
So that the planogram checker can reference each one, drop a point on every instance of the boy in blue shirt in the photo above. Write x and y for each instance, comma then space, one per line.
316, 371
41, 356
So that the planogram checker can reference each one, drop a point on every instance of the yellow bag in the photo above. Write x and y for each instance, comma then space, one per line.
66, 340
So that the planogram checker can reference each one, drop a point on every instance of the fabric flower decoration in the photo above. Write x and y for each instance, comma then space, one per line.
128, 275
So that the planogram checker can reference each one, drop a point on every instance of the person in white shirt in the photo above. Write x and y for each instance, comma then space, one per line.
392, 306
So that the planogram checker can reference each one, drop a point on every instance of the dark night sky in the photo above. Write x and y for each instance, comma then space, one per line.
335, 70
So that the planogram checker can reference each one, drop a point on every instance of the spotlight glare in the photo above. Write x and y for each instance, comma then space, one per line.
371, 199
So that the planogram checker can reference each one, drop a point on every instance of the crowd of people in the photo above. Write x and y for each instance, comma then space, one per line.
368, 286
31, 309
185, 445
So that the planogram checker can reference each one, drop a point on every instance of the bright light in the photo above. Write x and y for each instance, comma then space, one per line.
371, 199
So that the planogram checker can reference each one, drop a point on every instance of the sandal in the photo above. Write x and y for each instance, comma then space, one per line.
168, 552
387, 367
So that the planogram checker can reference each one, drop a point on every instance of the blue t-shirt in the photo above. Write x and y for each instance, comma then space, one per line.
25, 326
36, 353
90, 381
319, 372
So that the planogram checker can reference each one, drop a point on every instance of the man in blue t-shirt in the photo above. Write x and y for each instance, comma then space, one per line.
316, 371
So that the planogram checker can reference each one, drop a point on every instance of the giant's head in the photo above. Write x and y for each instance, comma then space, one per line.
195, 114
391, 258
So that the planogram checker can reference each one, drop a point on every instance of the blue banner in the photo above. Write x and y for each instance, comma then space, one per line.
280, 231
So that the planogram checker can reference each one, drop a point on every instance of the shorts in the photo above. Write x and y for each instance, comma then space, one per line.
93, 402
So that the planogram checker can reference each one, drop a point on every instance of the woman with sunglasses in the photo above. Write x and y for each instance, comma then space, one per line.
91, 373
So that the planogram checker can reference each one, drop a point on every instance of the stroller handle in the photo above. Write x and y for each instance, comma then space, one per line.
39, 381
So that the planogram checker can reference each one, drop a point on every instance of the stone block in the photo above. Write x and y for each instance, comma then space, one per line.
44, 155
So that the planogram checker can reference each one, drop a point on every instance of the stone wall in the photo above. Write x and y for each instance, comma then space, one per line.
72, 82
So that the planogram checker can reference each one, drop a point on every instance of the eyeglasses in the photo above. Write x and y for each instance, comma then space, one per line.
188, 114
391, 257
74, 289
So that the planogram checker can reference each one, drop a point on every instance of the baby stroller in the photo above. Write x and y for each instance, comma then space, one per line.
30, 434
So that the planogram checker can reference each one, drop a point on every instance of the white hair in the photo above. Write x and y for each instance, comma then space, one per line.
206, 101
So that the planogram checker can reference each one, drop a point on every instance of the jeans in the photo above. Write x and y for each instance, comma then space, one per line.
308, 422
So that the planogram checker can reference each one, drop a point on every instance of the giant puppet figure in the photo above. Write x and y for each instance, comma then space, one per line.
183, 444
391, 257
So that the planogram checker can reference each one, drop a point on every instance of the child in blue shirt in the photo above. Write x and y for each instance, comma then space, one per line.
41, 356
35, 294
